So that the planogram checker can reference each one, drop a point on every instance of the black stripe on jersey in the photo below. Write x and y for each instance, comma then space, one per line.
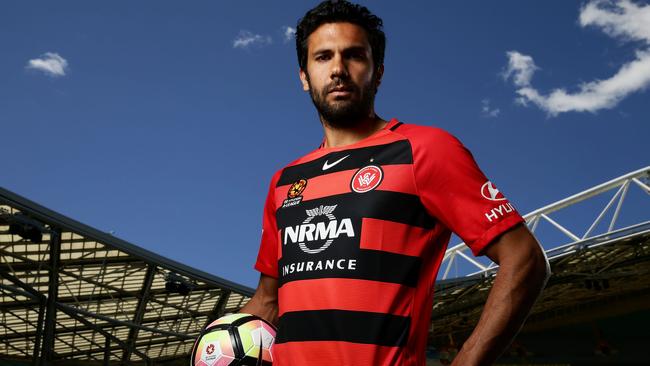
396, 126
384, 205
342, 325
398, 152
372, 265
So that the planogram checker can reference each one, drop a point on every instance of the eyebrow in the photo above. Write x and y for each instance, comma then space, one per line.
347, 50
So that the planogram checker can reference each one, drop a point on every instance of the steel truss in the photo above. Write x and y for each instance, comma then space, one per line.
577, 241
594, 274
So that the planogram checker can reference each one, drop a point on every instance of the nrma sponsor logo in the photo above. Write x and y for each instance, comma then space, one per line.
309, 233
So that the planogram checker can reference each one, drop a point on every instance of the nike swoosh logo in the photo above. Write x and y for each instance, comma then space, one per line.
327, 166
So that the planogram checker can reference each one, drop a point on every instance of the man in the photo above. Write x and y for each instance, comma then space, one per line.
354, 231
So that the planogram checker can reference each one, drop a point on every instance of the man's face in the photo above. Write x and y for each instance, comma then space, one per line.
340, 73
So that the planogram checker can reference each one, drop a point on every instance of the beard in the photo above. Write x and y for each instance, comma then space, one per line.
344, 113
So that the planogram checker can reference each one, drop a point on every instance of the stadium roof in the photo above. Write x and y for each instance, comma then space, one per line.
68, 291
595, 274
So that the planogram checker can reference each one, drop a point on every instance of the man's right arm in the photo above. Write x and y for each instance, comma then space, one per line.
264, 302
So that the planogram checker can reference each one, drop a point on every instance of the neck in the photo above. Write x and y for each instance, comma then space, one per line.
342, 136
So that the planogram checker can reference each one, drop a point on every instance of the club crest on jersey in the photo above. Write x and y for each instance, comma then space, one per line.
308, 233
294, 194
366, 179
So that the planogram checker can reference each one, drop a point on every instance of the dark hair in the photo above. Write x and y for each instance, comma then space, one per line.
333, 11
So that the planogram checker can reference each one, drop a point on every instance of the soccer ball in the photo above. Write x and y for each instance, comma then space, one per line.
235, 340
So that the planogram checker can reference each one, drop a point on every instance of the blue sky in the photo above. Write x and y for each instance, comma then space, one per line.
163, 121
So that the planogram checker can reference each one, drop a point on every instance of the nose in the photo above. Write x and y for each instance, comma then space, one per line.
339, 67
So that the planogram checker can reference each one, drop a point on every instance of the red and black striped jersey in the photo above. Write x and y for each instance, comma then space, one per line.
355, 236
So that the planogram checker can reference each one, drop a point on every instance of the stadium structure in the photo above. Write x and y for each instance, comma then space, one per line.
595, 308
74, 295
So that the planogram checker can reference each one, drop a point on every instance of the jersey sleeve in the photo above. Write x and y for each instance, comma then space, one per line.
455, 191
267, 257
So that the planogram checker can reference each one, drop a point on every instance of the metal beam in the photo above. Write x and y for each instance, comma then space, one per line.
82, 328
39, 332
83, 320
120, 293
8, 344
101, 298
27, 304
616, 182
75, 262
107, 352
139, 312
24, 320
36, 296
618, 207
219, 308
68, 309
16, 281
20, 292
52, 294
15, 332
114, 348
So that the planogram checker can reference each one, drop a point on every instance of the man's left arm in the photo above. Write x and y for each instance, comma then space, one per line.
521, 277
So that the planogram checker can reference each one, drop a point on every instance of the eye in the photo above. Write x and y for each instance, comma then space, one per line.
322, 57
357, 56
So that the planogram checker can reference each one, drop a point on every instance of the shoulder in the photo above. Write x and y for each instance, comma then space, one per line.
428, 138
278, 173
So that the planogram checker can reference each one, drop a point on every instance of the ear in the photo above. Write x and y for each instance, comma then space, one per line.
380, 74
304, 79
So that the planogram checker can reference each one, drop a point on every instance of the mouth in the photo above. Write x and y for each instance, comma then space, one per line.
341, 91
341, 87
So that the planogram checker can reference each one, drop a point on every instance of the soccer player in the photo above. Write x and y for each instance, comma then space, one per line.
354, 232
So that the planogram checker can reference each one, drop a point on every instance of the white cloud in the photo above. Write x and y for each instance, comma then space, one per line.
520, 67
50, 63
289, 33
246, 39
487, 111
621, 19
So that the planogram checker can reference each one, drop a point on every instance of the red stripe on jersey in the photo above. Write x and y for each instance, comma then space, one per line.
334, 353
394, 237
339, 183
345, 294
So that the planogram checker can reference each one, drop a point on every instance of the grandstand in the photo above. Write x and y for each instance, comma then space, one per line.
73, 295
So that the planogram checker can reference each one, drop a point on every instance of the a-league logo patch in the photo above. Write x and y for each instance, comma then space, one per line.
297, 188
294, 194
